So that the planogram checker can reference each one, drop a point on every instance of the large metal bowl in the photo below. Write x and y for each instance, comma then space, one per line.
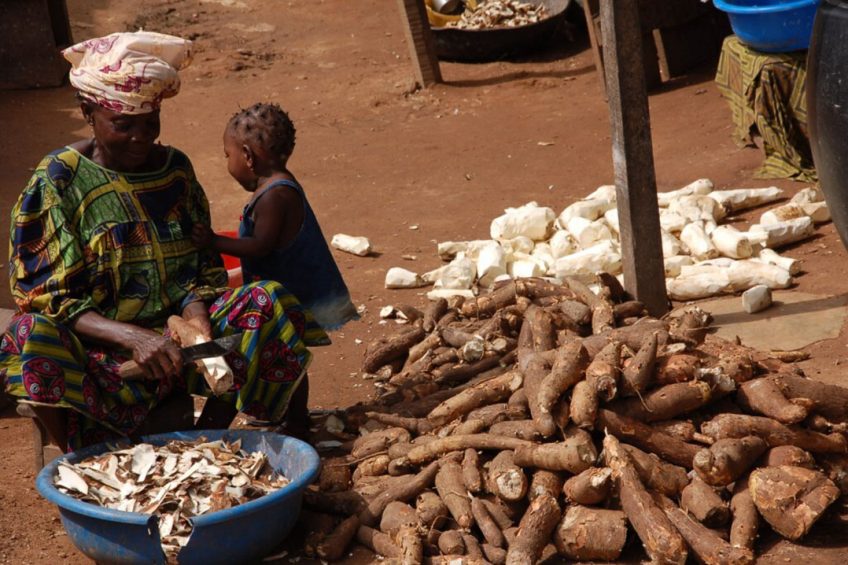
478, 45
240, 534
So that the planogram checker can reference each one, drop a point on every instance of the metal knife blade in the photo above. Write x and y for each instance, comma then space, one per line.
214, 348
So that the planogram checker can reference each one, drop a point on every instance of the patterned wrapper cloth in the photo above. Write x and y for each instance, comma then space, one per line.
766, 94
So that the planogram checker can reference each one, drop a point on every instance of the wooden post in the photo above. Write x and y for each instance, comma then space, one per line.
422, 50
632, 155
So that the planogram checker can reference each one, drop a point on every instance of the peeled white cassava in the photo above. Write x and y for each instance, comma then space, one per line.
700, 186
671, 221
530, 220
743, 198
396, 277
611, 218
544, 254
491, 263
673, 264
431, 277
788, 211
697, 207
670, 245
808, 195
756, 299
524, 265
437, 293
730, 242
589, 209
518, 244
723, 262
562, 244
699, 284
784, 233
449, 249
604, 256
697, 242
604, 192
818, 211
588, 232
458, 274
766, 255
748, 273
356, 245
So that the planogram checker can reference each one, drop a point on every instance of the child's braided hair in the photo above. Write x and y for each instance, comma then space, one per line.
268, 126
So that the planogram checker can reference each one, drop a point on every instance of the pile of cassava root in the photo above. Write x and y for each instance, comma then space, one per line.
545, 419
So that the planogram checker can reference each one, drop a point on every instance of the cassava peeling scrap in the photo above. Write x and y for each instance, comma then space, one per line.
176, 481
571, 424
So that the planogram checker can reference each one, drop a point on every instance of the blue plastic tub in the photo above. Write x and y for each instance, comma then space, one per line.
241, 534
772, 26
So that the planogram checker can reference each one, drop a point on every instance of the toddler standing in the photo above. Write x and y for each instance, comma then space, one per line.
279, 236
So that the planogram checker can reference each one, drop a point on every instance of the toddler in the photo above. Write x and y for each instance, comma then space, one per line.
279, 236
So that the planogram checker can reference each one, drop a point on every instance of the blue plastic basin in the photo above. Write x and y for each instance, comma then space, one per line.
241, 534
772, 26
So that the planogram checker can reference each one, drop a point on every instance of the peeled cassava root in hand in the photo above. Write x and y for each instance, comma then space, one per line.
493, 413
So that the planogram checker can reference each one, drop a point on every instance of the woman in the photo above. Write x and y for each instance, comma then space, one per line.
101, 255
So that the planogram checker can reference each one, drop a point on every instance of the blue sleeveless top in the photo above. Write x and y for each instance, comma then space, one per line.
305, 266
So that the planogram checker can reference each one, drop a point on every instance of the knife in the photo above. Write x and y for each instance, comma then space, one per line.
130, 370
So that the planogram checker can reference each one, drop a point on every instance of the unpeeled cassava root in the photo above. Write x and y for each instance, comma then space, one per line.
661, 540
791, 499
591, 534
728, 459
491, 441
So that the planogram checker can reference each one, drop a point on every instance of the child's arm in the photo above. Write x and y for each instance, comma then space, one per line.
277, 217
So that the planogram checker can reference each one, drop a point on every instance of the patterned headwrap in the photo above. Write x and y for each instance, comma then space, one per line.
130, 73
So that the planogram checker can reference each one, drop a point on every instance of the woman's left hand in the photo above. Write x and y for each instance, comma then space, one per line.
197, 315
202, 236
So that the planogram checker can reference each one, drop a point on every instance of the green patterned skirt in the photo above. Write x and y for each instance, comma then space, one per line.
44, 363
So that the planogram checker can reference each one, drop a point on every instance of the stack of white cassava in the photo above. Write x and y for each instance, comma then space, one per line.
543, 418
704, 253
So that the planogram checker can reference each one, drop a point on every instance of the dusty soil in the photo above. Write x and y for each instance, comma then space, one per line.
405, 167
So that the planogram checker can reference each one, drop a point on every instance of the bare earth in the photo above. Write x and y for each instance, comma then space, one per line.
406, 168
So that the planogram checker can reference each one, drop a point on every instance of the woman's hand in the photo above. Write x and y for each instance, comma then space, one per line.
158, 356
202, 236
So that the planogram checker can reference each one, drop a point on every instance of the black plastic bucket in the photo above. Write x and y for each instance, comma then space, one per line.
827, 107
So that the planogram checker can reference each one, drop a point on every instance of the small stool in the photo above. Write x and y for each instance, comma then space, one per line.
44, 451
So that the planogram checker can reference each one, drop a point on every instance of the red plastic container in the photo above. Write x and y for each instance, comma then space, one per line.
230, 262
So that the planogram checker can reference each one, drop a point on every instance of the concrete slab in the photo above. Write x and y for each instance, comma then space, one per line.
794, 321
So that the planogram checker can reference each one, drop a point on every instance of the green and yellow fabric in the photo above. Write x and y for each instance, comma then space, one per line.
767, 98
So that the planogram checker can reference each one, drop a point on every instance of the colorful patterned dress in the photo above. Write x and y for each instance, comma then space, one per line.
88, 238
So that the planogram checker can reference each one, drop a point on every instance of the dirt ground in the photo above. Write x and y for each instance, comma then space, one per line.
406, 168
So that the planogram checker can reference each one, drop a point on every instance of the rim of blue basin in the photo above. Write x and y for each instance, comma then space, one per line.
734, 8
